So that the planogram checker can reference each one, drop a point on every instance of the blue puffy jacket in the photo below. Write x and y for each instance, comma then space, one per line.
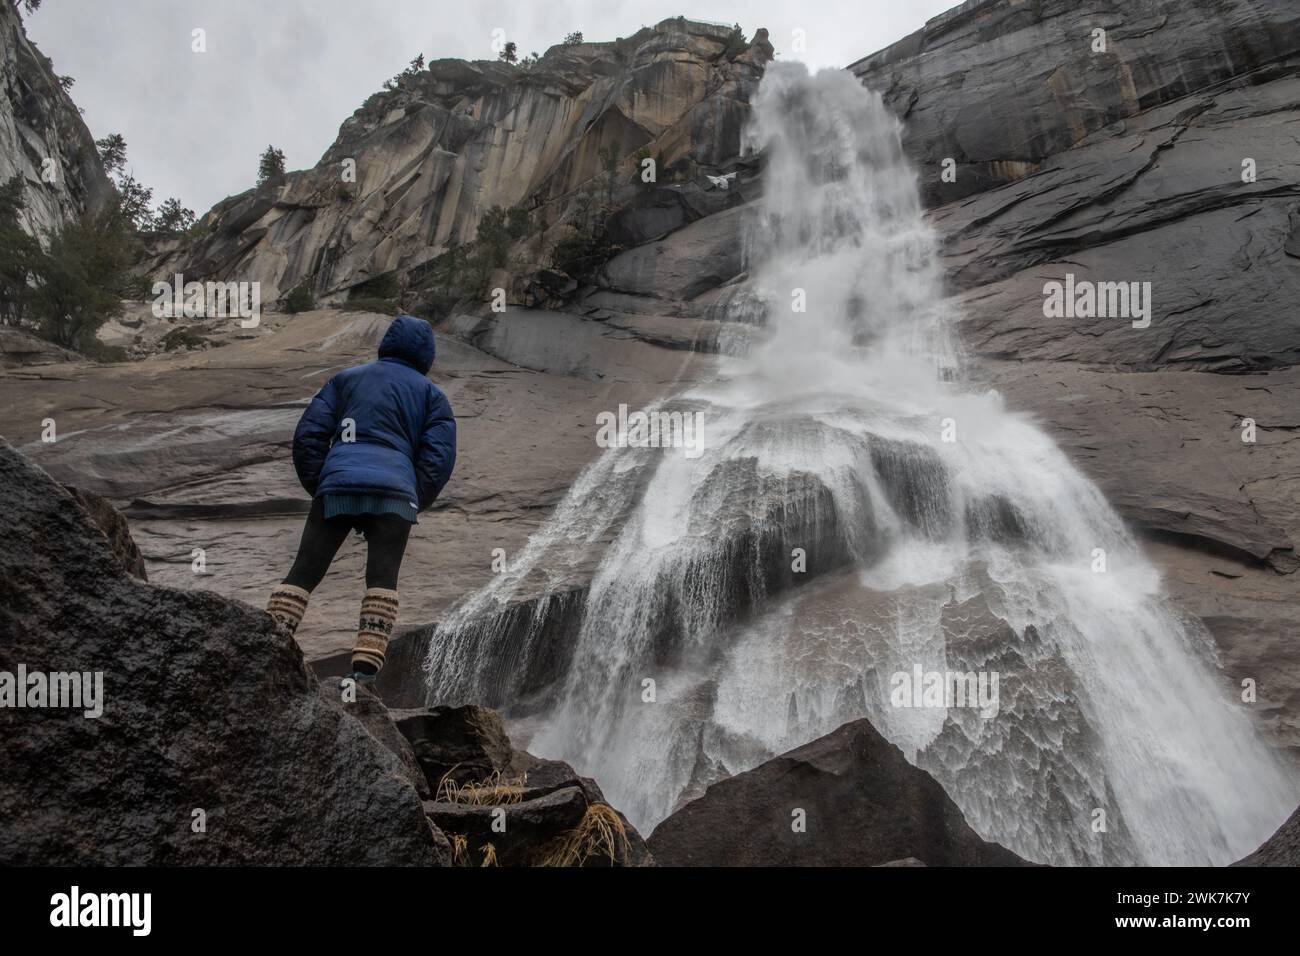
405, 433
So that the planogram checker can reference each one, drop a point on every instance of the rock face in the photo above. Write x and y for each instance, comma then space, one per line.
1118, 161
862, 802
110, 523
40, 123
1281, 849
19, 348
1001, 85
208, 716
505, 807
462, 744
446, 144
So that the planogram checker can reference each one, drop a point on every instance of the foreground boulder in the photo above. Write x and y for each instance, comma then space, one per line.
504, 807
214, 743
861, 802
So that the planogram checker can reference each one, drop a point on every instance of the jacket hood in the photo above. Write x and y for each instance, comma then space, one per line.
409, 340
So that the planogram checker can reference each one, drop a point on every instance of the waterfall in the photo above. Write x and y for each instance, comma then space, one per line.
861, 513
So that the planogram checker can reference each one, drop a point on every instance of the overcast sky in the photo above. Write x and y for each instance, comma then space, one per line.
288, 72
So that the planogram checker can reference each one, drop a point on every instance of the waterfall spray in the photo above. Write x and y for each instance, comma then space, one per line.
860, 511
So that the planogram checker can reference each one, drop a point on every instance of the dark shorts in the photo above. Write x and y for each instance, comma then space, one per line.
337, 505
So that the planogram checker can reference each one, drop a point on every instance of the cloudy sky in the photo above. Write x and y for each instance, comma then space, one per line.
288, 72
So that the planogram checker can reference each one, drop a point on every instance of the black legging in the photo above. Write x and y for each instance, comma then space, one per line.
322, 537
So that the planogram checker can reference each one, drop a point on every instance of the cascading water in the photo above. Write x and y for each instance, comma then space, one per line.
860, 512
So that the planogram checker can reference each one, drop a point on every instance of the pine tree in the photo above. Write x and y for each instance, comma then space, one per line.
173, 217
135, 199
81, 279
270, 165
112, 152
18, 254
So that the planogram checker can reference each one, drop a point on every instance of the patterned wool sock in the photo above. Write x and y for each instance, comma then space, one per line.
287, 605
378, 614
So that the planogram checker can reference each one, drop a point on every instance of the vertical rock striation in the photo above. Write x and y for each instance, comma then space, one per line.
42, 135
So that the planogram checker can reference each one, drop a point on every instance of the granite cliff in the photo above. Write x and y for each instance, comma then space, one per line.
42, 135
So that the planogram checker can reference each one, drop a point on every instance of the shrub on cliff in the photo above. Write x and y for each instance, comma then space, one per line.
736, 43
496, 230
300, 298
382, 294
414, 68
574, 253
580, 251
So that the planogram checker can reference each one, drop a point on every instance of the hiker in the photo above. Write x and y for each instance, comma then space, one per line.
374, 448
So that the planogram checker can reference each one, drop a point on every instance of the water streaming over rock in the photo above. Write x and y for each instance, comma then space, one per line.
861, 511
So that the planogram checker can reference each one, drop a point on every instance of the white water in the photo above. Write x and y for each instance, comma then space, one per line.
973, 554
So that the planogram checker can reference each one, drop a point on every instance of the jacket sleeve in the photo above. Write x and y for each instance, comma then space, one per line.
437, 454
314, 435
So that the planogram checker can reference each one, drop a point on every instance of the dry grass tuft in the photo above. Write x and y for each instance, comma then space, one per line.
496, 790
489, 855
601, 832
459, 850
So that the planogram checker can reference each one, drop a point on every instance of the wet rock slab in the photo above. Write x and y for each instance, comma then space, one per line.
195, 449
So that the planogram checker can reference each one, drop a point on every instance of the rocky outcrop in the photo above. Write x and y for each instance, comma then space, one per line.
433, 154
19, 348
110, 523
42, 136
1110, 158
1129, 205
1281, 849
502, 806
199, 735
461, 744
847, 799
1000, 85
